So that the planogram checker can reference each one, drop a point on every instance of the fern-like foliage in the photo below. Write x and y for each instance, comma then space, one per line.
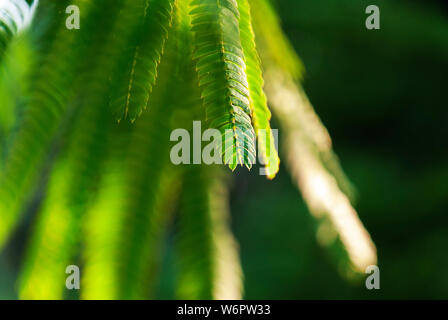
261, 114
145, 24
221, 68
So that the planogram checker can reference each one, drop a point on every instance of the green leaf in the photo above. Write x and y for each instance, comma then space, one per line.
261, 113
146, 23
220, 65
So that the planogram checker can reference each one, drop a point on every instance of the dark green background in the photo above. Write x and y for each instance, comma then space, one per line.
383, 96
